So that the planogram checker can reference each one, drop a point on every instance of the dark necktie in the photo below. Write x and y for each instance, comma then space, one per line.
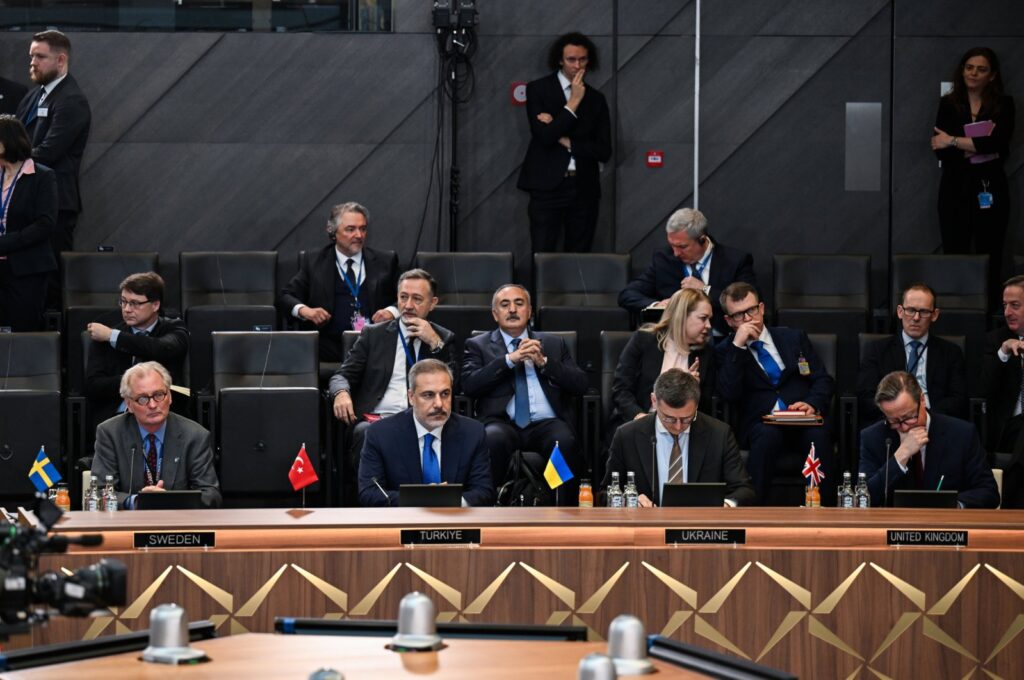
151, 456
917, 467
431, 469
522, 403
30, 115
135, 359
675, 463
914, 358
350, 271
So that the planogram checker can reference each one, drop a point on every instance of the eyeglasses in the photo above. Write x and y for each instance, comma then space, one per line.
752, 312
905, 420
132, 304
916, 312
143, 399
669, 420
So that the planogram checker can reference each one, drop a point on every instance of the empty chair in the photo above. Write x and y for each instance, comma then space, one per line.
266, 405
612, 344
826, 294
30, 414
224, 291
580, 292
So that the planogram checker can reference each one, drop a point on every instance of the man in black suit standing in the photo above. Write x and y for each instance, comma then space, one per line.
143, 335
522, 382
1002, 373
676, 445
11, 94
689, 260
425, 444
570, 136
344, 285
57, 117
762, 370
937, 364
371, 383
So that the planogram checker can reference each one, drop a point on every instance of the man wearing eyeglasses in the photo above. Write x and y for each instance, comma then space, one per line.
677, 445
937, 364
915, 449
148, 449
764, 369
143, 335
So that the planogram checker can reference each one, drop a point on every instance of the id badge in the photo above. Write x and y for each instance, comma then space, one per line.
358, 321
803, 366
42, 112
984, 200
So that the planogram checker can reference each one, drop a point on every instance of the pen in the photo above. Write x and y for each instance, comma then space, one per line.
941, 480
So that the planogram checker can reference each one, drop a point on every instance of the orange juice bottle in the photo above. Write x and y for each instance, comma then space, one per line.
586, 494
63, 499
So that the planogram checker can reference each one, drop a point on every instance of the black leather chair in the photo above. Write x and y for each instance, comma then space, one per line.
30, 413
612, 344
224, 291
466, 283
265, 405
826, 294
580, 292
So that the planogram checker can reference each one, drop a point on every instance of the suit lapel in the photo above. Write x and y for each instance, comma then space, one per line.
698, 449
646, 450
172, 453
449, 461
412, 456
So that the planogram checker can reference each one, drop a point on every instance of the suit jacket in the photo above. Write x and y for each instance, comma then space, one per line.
640, 365
1000, 383
661, 279
392, 456
713, 457
953, 454
313, 285
59, 138
167, 343
589, 131
367, 369
11, 94
31, 216
945, 371
187, 457
488, 379
742, 382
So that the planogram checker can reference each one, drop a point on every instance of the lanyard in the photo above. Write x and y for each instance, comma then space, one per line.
698, 267
353, 286
5, 200
410, 358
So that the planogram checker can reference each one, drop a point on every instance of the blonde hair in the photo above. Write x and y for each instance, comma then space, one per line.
670, 327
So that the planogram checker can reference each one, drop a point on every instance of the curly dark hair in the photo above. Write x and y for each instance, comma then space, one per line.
574, 38
993, 94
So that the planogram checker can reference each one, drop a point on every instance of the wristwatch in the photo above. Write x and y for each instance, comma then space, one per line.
440, 346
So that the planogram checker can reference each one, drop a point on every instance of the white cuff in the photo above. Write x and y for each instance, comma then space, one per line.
295, 310
114, 333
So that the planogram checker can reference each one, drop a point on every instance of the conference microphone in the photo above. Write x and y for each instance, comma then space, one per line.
384, 493
888, 446
60, 543
131, 478
654, 467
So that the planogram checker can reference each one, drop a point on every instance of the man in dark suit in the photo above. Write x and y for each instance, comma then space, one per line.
344, 285
928, 449
937, 364
57, 117
522, 382
1002, 370
570, 136
143, 335
690, 260
762, 370
677, 445
425, 444
371, 383
11, 94
148, 449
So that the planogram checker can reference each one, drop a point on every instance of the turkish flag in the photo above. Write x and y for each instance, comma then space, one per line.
302, 473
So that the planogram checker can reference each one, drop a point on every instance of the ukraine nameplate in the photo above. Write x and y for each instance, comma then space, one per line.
705, 536
175, 539
440, 536
927, 537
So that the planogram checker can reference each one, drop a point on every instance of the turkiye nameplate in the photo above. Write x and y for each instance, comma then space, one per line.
441, 536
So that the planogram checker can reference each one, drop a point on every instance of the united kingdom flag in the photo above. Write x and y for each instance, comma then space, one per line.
812, 468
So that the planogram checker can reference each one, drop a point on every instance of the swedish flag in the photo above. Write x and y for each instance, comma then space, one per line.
557, 471
43, 473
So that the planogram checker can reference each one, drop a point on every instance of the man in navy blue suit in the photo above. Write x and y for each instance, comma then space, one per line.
927, 449
426, 444
689, 260
762, 370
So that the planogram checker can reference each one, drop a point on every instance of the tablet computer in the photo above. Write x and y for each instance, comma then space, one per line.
169, 500
697, 494
913, 498
430, 495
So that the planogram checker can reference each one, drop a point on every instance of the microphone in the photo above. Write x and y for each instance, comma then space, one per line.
131, 475
888, 446
387, 498
654, 468
59, 543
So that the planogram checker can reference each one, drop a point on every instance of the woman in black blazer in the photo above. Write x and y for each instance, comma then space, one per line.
681, 339
28, 213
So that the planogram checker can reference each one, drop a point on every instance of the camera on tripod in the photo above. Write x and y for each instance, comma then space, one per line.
27, 599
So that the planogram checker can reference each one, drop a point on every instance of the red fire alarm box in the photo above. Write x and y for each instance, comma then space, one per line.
655, 159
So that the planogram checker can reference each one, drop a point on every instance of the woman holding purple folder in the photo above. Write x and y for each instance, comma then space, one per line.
971, 139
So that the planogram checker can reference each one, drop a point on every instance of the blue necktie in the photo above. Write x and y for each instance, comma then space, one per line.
30, 115
431, 470
522, 404
914, 358
770, 366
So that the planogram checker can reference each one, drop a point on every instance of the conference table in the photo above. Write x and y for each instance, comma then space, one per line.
821, 592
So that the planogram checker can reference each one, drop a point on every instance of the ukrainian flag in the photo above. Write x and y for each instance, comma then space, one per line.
43, 473
557, 471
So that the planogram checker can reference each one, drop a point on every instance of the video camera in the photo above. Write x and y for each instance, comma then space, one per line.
26, 599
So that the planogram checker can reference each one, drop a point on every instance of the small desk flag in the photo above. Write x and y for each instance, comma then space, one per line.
302, 473
557, 471
43, 473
